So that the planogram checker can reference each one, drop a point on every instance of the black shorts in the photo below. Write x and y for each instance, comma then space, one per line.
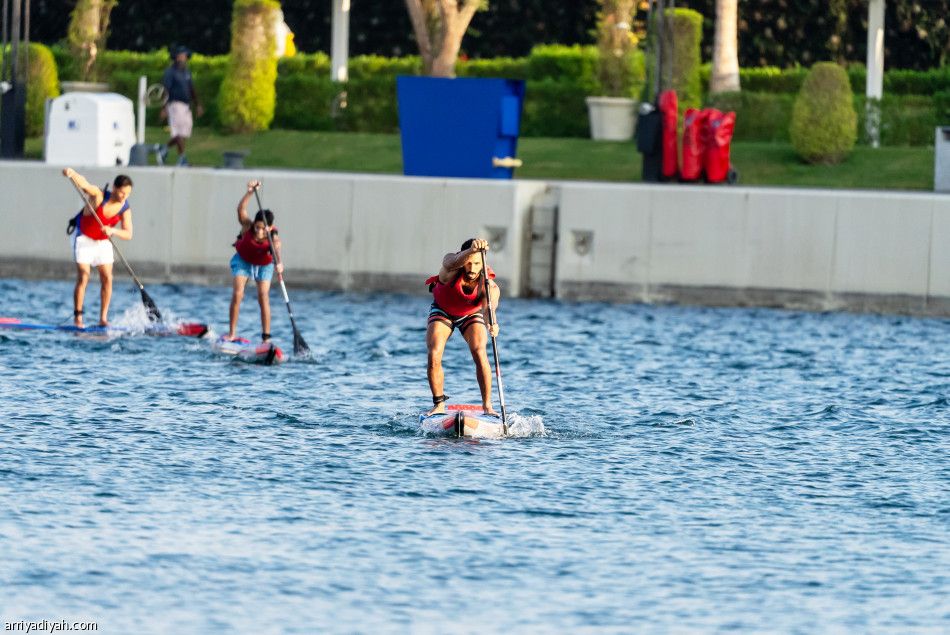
461, 323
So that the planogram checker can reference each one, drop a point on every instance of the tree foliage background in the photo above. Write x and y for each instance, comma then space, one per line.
771, 32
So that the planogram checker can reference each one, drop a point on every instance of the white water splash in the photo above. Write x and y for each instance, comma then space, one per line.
526, 426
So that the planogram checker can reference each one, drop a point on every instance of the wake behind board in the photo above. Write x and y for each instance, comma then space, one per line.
463, 420
266, 353
186, 329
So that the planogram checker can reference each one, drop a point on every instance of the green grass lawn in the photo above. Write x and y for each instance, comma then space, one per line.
901, 168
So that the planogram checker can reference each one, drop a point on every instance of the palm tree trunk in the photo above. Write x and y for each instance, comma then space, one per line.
725, 63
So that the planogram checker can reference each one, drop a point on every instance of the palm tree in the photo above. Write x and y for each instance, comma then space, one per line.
725, 62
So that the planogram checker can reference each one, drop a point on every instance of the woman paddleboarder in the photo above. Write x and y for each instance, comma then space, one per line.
90, 238
253, 259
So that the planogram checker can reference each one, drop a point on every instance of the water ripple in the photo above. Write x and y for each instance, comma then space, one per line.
680, 469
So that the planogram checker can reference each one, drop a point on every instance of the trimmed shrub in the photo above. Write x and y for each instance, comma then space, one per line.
904, 82
247, 97
942, 107
562, 63
555, 109
42, 84
686, 28
906, 120
824, 123
759, 116
305, 102
501, 67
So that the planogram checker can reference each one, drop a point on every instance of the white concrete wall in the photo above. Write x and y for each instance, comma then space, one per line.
345, 231
649, 241
716, 245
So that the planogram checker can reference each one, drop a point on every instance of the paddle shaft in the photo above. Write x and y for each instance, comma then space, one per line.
150, 305
494, 345
300, 346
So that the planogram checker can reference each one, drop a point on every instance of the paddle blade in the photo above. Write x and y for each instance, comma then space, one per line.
300, 346
154, 315
193, 329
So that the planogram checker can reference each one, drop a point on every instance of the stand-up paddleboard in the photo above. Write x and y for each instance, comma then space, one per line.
266, 353
187, 329
463, 420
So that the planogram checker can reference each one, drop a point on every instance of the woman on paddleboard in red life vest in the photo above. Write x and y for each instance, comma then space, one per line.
90, 240
253, 259
459, 302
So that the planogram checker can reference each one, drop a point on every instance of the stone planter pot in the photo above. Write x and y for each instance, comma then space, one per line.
612, 118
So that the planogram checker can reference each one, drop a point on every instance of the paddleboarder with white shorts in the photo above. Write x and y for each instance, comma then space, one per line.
459, 302
90, 238
254, 259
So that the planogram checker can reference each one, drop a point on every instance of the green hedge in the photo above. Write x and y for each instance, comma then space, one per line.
906, 120
558, 80
770, 79
942, 107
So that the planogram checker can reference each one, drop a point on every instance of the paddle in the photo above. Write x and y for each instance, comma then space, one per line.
300, 346
150, 308
494, 346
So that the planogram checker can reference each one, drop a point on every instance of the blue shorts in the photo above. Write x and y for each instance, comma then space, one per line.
260, 273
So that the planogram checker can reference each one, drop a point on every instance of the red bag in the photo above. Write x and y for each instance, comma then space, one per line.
694, 144
669, 114
719, 129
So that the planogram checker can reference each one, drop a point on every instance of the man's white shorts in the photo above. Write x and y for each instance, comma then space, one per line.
92, 252
179, 118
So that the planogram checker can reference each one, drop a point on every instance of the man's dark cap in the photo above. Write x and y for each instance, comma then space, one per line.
178, 50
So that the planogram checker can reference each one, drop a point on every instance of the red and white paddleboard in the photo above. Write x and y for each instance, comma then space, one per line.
186, 329
463, 420
266, 353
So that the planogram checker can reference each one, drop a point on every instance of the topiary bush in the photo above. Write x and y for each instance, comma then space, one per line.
42, 84
247, 96
686, 29
824, 123
759, 116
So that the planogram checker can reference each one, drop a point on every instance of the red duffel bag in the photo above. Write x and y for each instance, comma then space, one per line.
719, 129
670, 116
694, 144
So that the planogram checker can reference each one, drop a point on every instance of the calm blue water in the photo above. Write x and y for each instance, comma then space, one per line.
676, 470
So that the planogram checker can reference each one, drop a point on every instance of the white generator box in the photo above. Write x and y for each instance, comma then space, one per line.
89, 129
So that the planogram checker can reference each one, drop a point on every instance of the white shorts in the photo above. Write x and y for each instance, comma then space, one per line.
87, 251
179, 118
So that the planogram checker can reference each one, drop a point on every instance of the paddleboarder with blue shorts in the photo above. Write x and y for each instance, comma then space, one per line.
458, 293
253, 260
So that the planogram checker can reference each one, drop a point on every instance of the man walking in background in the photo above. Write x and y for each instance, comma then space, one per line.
181, 93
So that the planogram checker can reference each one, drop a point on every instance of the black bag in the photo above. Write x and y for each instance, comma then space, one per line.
74, 221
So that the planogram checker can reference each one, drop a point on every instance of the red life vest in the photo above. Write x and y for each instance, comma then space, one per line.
91, 229
253, 252
452, 299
